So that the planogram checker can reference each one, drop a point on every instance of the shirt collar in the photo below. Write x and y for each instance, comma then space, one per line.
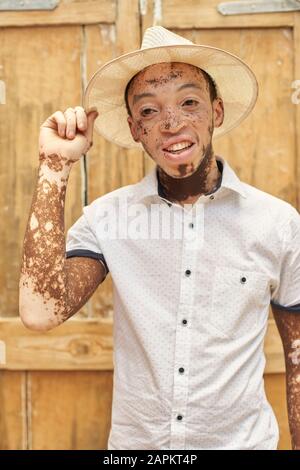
149, 185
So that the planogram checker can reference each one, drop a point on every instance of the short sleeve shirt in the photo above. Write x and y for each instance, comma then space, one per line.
192, 289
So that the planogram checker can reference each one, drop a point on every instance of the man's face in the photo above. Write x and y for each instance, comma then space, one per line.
170, 105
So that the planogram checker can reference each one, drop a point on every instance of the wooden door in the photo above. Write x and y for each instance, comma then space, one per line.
62, 380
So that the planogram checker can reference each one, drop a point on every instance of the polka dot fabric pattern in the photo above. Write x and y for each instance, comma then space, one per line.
190, 313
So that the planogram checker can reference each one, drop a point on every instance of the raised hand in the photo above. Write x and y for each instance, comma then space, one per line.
68, 134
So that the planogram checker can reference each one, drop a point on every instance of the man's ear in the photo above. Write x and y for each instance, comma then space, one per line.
218, 112
133, 129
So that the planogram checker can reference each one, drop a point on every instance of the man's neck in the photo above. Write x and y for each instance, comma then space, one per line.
187, 190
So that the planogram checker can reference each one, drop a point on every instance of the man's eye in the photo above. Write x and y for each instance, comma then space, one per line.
191, 101
145, 112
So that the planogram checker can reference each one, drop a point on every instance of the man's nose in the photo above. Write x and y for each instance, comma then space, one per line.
172, 122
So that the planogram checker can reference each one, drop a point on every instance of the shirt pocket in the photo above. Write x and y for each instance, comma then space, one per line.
238, 299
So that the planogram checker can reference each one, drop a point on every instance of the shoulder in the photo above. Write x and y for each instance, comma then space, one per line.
111, 201
123, 192
266, 204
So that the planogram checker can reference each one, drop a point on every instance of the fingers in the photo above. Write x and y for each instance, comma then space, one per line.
56, 121
77, 119
61, 123
71, 123
68, 123
81, 118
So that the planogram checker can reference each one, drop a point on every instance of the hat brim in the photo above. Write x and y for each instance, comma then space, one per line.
235, 80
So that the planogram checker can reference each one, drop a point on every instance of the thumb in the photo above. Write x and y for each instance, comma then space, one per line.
91, 117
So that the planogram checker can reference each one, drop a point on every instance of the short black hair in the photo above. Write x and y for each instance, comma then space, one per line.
210, 81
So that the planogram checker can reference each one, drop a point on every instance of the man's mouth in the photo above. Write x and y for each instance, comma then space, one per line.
178, 153
178, 148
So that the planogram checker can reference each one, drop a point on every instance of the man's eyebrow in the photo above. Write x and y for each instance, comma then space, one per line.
142, 95
152, 95
190, 85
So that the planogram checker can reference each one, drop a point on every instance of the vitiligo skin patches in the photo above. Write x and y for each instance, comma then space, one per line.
52, 288
288, 324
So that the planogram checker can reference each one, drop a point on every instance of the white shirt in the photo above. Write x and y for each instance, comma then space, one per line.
190, 313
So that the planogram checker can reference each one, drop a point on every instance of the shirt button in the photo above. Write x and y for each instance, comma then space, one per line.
191, 225
179, 417
188, 272
184, 322
181, 370
243, 280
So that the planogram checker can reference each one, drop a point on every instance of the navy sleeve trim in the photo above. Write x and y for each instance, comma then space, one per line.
88, 254
293, 308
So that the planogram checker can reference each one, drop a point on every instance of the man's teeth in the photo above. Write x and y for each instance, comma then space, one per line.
179, 146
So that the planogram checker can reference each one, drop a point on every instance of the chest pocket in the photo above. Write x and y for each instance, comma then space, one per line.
238, 298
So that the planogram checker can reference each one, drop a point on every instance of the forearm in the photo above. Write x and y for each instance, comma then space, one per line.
288, 324
51, 287
43, 283
293, 404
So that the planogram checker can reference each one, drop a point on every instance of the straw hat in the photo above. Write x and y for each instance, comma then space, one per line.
236, 83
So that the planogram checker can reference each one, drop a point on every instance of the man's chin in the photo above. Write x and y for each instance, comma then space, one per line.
182, 170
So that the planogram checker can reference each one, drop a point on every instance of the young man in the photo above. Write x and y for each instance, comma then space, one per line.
195, 254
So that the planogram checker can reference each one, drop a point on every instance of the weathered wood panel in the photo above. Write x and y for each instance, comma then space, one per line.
67, 12
76, 407
74, 345
203, 14
275, 387
40, 78
13, 410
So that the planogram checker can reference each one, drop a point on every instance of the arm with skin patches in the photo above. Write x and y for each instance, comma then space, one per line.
53, 288
288, 324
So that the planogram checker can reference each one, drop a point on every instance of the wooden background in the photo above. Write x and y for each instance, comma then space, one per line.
56, 387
